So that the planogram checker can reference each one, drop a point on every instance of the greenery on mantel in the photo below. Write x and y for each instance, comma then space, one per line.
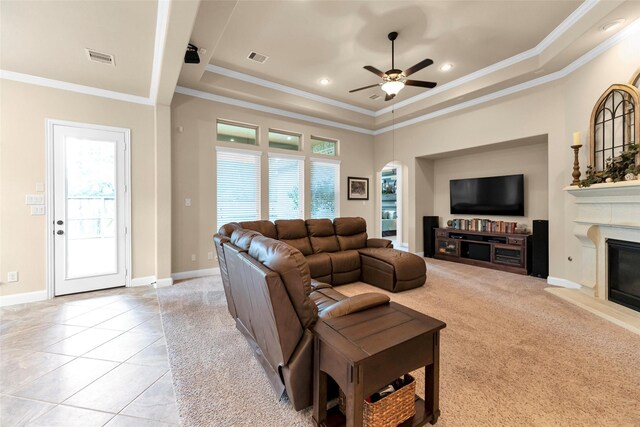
615, 168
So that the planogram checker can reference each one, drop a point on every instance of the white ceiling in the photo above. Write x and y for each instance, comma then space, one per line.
493, 45
310, 40
48, 39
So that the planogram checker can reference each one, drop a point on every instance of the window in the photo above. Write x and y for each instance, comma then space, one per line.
236, 132
323, 146
286, 189
238, 180
284, 140
325, 188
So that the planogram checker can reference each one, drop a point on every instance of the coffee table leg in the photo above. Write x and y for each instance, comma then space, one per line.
355, 399
432, 382
319, 388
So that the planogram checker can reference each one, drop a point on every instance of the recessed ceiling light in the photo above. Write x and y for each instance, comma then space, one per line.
324, 81
610, 26
446, 67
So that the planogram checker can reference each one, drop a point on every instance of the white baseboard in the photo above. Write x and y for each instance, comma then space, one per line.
163, 283
564, 283
23, 298
195, 273
143, 281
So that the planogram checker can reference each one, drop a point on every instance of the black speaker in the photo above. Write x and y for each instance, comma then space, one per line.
429, 225
540, 248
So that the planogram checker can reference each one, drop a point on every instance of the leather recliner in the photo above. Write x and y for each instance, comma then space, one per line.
275, 303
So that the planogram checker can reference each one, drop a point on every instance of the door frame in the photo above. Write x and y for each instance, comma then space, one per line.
49, 197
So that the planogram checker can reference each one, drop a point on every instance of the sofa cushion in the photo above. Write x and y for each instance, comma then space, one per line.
264, 227
322, 235
351, 232
320, 266
294, 272
242, 238
324, 298
228, 229
293, 232
344, 261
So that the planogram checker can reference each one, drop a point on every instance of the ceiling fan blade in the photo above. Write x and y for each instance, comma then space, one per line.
389, 97
420, 83
419, 66
363, 88
374, 70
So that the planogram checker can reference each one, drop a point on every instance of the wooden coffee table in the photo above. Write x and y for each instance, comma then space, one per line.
367, 350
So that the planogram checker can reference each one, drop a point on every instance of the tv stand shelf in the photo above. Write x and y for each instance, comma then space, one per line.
500, 251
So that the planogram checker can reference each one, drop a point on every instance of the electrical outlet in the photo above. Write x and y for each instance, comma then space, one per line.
187, 202
37, 209
193, 257
209, 255
12, 276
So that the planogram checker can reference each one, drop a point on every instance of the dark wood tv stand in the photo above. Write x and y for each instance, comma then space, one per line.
500, 251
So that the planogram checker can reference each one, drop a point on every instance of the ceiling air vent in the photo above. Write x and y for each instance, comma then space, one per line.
374, 96
258, 57
101, 57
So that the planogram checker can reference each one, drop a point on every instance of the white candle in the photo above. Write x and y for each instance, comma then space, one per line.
576, 138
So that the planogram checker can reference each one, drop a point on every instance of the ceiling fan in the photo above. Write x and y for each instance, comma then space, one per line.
394, 80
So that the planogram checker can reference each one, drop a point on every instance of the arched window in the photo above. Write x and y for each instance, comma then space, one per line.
635, 80
615, 122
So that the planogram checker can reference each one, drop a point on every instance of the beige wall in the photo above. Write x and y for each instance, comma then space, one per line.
530, 160
555, 109
194, 170
24, 109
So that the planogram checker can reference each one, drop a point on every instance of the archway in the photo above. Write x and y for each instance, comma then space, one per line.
391, 190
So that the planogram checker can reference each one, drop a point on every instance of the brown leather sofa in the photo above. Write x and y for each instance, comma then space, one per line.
340, 252
275, 302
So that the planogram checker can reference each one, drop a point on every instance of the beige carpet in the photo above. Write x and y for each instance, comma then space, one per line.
512, 355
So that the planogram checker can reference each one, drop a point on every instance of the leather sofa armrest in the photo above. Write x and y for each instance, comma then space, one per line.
379, 243
315, 285
354, 304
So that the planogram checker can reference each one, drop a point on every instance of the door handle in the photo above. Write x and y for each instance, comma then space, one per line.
59, 232
59, 222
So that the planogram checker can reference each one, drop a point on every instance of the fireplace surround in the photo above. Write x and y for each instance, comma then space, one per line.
603, 212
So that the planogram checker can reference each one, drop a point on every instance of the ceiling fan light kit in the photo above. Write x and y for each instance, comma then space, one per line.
395, 80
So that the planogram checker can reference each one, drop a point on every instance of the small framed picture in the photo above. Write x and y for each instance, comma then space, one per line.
358, 188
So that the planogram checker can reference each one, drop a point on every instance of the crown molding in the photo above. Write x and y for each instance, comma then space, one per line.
271, 110
287, 89
162, 21
72, 87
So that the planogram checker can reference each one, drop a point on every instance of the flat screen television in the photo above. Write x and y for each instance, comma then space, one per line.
496, 195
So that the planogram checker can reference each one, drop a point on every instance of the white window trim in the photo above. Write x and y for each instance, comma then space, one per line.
285, 156
328, 159
256, 153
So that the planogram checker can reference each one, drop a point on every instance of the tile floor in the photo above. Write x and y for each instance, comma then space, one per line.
93, 359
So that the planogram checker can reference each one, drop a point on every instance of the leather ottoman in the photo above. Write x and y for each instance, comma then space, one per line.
379, 265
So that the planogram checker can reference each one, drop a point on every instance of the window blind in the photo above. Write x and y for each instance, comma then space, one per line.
286, 187
325, 189
238, 184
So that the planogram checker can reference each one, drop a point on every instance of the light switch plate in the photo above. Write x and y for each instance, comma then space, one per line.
12, 276
37, 209
39, 187
209, 255
193, 257
34, 199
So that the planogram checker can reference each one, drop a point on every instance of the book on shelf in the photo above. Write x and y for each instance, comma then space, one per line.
484, 225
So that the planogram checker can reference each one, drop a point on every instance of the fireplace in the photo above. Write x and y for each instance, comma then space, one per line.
624, 273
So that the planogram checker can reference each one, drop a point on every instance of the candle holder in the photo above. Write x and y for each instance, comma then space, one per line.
576, 165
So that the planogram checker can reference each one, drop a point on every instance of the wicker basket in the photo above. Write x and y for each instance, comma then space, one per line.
391, 410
